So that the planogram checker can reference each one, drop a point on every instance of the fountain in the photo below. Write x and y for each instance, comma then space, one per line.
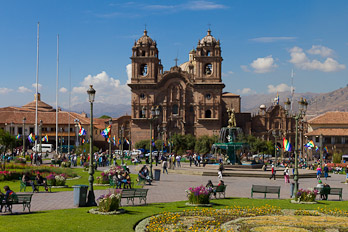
228, 137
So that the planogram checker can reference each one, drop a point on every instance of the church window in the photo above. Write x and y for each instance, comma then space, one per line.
208, 114
175, 109
142, 96
141, 115
208, 69
191, 109
208, 53
208, 96
143, 53
143, 69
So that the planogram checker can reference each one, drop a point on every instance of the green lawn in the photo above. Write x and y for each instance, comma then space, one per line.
79, 220
14, 185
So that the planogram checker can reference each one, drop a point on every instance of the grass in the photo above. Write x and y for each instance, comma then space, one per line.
79, 220
14, 184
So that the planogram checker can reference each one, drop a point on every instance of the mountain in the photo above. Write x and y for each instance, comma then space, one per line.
319, 103
100, 109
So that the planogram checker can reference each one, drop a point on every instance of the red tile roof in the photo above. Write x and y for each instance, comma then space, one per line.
333, 117
329, 132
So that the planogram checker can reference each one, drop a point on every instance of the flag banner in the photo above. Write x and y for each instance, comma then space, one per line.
127, 141
106, 132
32, 137
18, 136
114, 140
310, 144
45, 139
82, 131
286, 145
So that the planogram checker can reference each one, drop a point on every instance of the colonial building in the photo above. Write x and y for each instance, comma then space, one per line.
330, 130
189, 96
21, 121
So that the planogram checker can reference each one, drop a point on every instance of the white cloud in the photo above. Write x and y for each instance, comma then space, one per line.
34, 86
129, 72
278, 88
5, 90
300, 60
245, 68
204, 5
108, 89
321, 50
63, 90
246, 91
229, 73
264, 64
273, 39
22, 89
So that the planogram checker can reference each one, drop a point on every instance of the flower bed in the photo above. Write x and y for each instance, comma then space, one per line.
109, 202
308, 195
107, 174
199, 195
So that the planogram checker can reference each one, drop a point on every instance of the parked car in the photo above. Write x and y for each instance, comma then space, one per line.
262, 155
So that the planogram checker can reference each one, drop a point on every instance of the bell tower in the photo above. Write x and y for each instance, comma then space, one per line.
208, 59
145, 63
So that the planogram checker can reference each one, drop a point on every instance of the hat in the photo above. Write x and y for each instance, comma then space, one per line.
320, 182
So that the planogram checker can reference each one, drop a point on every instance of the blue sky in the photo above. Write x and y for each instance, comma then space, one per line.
261, 42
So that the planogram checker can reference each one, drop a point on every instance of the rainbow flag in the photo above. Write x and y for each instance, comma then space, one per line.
127, 141
316, 148
310, 144
82, 131
108, 140
32, 137
325, 149
153, 142
114, 140
286, 145
83, 141
18, 136
278, 148
106, 132
119, 142
45, 139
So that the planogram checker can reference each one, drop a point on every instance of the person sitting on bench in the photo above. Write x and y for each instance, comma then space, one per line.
144, 174
8, 193
28, 182
40, 181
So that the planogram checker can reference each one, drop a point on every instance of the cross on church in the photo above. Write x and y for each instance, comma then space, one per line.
176, 61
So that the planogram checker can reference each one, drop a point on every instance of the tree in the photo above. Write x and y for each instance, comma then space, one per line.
105, 117
143, 144
84, 149
179, 143
6, 140
337, 157
204, 144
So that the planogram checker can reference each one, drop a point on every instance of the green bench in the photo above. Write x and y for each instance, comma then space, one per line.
131, 194
17, 199
117, 184
330, 191
219, 190
265, 189
24, 185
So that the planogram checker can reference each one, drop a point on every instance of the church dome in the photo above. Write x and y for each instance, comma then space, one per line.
208, 39
145, 39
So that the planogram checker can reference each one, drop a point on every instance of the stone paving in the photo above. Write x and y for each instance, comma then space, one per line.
172, 187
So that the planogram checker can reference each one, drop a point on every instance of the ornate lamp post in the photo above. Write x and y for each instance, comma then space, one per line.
298, 116
110, 153
122, 141
91, 197
24, 119
40, 129
276, 134
77, 132
155, 111
61, 140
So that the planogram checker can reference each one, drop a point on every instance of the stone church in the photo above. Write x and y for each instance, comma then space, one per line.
189, 96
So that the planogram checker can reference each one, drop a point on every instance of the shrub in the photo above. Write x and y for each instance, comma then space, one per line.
306, 195
199, 195
337, 157
110, 202
60, 180
66, 164
20, 160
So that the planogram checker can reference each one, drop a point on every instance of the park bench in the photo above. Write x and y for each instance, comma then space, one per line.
220, 190
265, 189
130, 194
17, 199
24, 185
115, 183
330, 191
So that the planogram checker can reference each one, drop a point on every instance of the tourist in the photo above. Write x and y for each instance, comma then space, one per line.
221, 168
286, 175
318, 172
326, 171
191, 160
346, 170
174, 161
273, 173
40, 181
211, 186
178, 159
28, 182
8, 193
164, 165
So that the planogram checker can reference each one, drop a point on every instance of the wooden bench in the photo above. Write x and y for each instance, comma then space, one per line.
265, 189
17, 199
130, 194
24, 185
332, 191
220, 190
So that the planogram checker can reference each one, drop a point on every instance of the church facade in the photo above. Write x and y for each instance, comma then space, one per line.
189, 96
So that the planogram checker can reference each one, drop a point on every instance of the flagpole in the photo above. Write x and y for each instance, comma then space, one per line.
37, 79
57, 94
69, 112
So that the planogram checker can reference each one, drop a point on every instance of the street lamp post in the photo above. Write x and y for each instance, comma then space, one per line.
155, 111
321, 149
61, 140
163, 131
110, 153
276, 136
121, 137
77, 132
40, 137
24, 119
298, 116
91, 197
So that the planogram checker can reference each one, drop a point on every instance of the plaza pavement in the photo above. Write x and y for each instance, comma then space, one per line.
172, 187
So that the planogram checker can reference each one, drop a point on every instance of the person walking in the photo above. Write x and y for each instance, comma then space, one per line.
273, 173
191, 160
326, 171
318, 172
286, 175
221, 168
178, 159
165, 165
